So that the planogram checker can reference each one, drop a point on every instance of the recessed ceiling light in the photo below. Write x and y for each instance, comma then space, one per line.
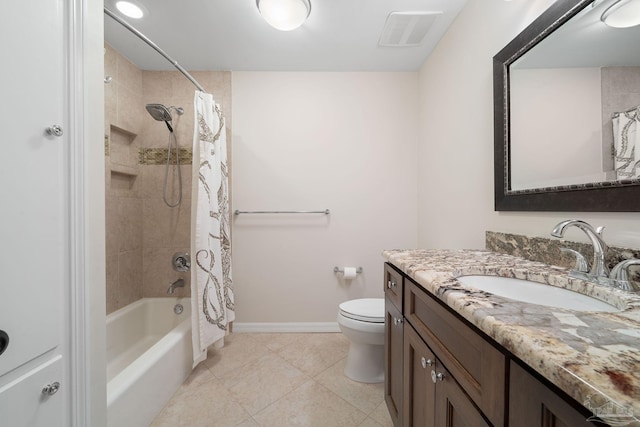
130, 9
622, 14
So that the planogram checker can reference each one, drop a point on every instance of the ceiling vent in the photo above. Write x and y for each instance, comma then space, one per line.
406, 28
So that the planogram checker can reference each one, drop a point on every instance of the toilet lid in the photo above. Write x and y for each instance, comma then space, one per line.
364, 309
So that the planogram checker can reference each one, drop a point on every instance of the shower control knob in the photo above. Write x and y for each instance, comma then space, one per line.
181, 261
55, 130
51, 389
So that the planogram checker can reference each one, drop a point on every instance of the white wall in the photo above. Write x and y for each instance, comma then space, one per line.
307, 141
455, 205
556, 115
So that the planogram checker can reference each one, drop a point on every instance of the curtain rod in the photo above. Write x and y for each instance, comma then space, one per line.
154, 46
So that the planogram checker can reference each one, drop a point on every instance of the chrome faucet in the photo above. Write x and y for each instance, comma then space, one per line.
177, 284
599, 268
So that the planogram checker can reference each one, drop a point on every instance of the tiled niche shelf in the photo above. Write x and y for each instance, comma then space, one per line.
123, 158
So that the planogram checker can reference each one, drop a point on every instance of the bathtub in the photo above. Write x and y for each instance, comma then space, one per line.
149, 355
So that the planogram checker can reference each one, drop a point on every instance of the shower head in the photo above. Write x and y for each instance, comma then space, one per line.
159, 112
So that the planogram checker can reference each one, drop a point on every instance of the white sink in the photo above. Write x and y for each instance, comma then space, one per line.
536, 293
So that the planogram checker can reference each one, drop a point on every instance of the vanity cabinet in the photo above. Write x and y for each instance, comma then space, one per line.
394, 336
478, 367
455, 375
438, 372
432, 397
533, 404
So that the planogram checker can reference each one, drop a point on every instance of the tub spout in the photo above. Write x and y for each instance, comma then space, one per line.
177, 284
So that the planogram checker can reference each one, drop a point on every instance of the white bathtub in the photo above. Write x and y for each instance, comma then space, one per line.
149, 355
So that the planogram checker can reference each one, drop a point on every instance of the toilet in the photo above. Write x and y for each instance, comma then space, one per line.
362, 322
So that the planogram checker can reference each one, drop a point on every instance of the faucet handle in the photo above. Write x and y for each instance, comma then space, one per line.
581, 261
620, 274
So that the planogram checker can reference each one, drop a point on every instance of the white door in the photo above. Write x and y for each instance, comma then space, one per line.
34, 258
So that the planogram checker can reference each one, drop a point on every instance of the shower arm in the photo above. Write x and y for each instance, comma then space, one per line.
154, 46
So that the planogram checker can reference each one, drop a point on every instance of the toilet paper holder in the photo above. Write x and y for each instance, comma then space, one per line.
341, 270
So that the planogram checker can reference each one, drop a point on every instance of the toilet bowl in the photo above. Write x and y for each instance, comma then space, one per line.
362, 322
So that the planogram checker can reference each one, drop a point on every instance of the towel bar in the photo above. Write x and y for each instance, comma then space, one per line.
237, 212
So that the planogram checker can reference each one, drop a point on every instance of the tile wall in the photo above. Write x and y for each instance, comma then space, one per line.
142, 233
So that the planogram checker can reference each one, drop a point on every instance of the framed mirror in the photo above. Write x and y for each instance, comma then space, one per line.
567, 112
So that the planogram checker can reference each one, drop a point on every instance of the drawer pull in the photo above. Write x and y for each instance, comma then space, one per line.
426, 362
398, 321
390, 284
51, 389
437, 377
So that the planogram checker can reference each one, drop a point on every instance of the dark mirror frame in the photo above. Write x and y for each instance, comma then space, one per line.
616, 196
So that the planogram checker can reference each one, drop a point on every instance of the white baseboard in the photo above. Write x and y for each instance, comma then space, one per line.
286, 327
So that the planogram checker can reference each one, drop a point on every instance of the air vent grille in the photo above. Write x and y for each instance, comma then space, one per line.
406, 28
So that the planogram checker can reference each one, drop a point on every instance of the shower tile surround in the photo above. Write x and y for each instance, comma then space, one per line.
599, 357
142, 233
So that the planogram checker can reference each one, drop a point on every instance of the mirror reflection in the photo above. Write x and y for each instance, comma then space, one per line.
575, 105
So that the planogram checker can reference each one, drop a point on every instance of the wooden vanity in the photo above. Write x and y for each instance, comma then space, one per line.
441, 370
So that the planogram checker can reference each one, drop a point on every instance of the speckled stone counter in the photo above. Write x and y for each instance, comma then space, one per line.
585, 354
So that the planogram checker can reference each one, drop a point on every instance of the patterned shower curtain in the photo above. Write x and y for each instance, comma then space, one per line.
212, 302
626, 141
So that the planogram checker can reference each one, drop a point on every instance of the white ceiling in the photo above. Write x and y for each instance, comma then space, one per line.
340, 35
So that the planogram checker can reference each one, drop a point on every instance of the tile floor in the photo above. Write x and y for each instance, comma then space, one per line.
280, 380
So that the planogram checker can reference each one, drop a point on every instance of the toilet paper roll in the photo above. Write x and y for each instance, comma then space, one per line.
350, 273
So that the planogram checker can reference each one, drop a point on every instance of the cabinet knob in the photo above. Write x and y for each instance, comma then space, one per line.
390, 284
51, 389
55, 130
435, 377
398, 320
426, 362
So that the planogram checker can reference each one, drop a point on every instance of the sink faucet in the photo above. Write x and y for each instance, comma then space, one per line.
177, 284
599, 268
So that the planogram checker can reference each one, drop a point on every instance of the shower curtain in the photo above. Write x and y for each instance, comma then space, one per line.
626, 141
212, 299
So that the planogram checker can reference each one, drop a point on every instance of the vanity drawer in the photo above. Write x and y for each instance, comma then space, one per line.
393, 285
478, 366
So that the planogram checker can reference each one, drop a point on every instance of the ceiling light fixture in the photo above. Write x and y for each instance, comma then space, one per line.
130, 9
622, 14
284, 15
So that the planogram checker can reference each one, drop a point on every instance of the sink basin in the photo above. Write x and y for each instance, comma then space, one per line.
536, 293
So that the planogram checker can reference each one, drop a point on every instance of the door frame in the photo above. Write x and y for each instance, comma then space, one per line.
86, 316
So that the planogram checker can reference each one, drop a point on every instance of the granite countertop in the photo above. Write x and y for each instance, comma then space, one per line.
589, 355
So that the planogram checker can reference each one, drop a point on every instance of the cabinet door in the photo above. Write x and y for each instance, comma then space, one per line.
453, 407
23, 403
393, 330
419, 389
34, 219
33, 231
533, 404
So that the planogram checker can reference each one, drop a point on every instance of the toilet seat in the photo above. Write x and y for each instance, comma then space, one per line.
369, 310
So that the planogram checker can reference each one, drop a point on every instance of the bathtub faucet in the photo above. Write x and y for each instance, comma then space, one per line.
177, 284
